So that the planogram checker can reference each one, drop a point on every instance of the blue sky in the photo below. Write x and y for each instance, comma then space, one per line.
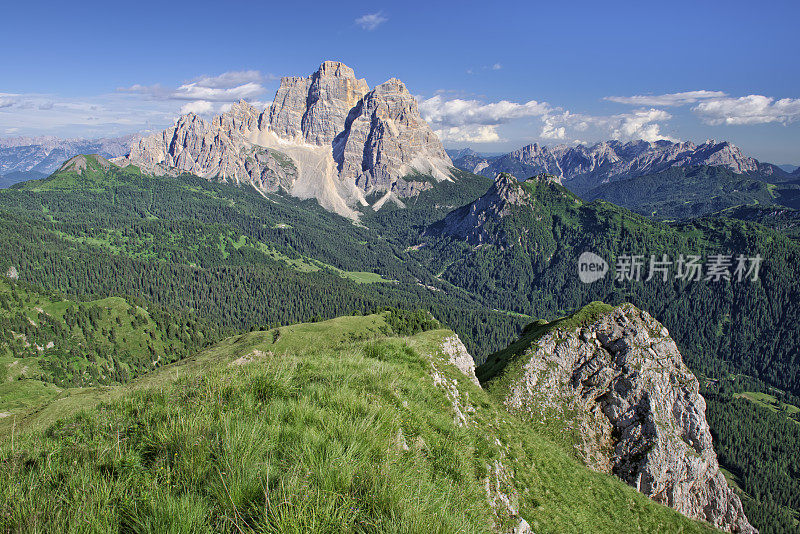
493, 76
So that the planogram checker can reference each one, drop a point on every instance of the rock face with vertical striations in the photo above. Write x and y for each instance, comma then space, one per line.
613, 382
314, 109
385, 139
325, 136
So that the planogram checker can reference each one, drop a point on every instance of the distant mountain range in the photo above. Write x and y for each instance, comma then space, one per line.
44, 155
585, 167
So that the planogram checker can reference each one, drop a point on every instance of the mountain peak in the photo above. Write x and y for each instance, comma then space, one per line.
475, 222
82, 162
340, 142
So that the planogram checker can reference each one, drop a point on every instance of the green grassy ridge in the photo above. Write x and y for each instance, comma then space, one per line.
122, 202
785, 220
304, 431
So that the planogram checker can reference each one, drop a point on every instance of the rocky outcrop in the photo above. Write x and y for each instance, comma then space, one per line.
584, 166
456, 352
613, 380
325, 136
472, 222
219, 149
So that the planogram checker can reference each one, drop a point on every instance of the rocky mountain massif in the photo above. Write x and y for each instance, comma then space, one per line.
326, 136
614, 384
584, 167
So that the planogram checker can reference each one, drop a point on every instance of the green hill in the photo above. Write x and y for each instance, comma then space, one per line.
339, 426
522, 256
50, 345
229, 254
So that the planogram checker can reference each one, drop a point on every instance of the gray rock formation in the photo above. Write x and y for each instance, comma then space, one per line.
618, 385
480, 222
584, 167
314, 109
385, 139
219, 149
326, 136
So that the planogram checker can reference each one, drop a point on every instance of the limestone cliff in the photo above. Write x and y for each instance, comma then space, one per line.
612, 382
325, 136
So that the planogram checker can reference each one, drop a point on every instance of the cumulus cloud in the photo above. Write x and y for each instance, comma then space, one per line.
550, 130
497, 66
751, 109
640, 124
473, 133
229, 79
199, 107
459, 112
669, 99
371, 21
194, 91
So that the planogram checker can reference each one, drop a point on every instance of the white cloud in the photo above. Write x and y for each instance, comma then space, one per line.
458, 112
7, 100
497, 66
669, 99
194, 91
473, 133
371, 21
199, 107
226, 87
229, 79
640, 124
752, 109
551, 131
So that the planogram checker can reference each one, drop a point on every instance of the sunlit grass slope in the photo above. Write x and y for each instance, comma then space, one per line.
338, 426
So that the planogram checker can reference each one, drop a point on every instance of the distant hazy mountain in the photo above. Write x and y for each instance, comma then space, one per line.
46, 154
788, 167
584, 167
15, 177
